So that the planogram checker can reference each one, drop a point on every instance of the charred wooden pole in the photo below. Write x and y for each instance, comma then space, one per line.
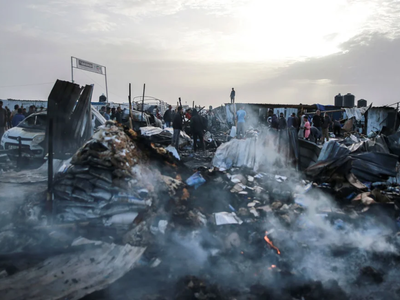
144, 89
180, 102
130, 107
19, 163
50, 166
395, 118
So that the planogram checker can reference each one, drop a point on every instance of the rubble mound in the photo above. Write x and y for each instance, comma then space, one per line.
107, 175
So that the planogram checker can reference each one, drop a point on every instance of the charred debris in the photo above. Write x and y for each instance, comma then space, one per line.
131, 218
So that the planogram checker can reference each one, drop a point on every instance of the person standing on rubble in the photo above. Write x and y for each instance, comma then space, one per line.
315, 134
307, 127
103, 110
118, 115
168, 116
318, 120
240, 115
325, 128
177, 126
196, 127
336, 128
107, 113
3, 120
233, 94
282, 122
274, 122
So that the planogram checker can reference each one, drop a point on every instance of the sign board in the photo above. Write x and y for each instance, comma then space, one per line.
88, 66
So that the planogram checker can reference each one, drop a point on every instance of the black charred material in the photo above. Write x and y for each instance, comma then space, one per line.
69, 110
370, 275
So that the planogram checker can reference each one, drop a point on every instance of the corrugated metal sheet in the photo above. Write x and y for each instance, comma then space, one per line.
377, 118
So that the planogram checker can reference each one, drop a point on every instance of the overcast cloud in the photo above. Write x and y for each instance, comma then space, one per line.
285, 51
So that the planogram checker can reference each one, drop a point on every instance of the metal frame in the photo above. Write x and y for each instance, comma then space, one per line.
73, 67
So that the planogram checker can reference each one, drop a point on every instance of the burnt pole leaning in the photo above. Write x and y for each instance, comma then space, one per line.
144, 90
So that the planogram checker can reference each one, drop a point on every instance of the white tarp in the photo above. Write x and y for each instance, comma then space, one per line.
250, 152
224, 218
355, 112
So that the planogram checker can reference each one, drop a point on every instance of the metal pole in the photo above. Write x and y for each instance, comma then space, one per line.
105, 76
72, 69
144, 89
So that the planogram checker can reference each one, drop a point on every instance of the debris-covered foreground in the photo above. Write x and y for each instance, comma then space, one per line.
131, 222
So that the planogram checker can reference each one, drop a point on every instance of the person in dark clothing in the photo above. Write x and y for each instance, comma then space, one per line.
232, 95
315, 134
336, 128
290, 120
113, 112
274, 122
168, 116
118, 115
318, 120
177, 126
282, 122
296, 122
325, 128
196, 127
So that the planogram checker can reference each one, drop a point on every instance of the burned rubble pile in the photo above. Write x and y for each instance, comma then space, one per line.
247, 233
104, 178
249, 227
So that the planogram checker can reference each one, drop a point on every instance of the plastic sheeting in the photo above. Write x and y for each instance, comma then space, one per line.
238, 153
253, 153
356, 112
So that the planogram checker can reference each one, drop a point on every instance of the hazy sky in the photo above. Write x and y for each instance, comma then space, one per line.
285, 51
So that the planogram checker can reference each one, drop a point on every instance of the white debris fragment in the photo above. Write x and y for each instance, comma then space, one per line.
83, 241
162, 226
173, 151
125, 218
223, 218
280, 178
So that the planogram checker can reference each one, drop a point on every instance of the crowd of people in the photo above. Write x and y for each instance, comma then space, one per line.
315, 129
192, 122
9, 119
114, 114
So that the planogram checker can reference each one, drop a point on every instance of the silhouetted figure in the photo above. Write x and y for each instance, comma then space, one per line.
337, 128
233, 94
196, 127
315, 134
325, 128
274, 122
282, 122
177, 126
168, 116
